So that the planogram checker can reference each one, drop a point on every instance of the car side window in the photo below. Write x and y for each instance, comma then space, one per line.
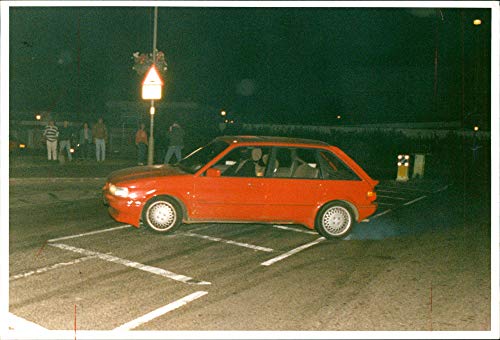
244, 162
334, 168
283, 161
296, 163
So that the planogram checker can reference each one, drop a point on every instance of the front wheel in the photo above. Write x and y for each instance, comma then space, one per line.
335, 220
162, 214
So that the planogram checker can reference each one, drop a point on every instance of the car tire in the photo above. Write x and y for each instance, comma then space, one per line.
335, 220
162, 214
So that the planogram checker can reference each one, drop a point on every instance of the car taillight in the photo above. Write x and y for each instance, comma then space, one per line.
371, 195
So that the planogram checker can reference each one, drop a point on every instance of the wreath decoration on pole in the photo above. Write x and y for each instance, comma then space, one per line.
143, 62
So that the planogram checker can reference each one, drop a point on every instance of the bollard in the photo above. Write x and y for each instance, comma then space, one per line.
418, 167
403, 166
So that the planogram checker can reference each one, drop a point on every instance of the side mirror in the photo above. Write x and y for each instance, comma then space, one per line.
212, 172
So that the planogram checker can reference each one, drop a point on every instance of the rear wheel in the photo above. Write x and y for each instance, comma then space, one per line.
162, 214
335, 220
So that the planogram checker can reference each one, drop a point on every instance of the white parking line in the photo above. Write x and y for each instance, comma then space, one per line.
132, 264
160, 311
380, 190
89, 233
17, 323
405, 189
217, 239
295, 229
415, 200
204, 227
392, 197
291, 252
441, 189
382, 203
48, 268
380, 214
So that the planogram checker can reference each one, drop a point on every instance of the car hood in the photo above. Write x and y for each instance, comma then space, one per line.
140, 172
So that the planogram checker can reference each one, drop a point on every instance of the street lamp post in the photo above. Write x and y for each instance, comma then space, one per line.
151, 90
152, 109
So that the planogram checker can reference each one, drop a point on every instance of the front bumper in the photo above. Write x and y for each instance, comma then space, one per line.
123, 210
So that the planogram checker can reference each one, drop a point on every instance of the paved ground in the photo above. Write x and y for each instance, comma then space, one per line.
421, 263
39, 167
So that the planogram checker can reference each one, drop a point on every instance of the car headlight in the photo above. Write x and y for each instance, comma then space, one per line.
118, 191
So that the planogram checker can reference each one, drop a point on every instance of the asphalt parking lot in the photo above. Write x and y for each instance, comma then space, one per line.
72, 267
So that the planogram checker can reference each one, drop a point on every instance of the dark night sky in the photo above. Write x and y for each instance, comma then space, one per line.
286, 65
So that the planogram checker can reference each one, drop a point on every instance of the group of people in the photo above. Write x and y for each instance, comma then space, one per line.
59, 140
87, 137
175, 135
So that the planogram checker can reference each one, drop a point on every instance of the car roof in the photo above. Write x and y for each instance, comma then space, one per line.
271, 140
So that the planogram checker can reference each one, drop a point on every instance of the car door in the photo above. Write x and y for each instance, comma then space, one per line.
231, 190
293, 185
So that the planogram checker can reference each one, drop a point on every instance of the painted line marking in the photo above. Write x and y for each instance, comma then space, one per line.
382, 213
382, 203
407, 189
295, 229
217, 239
393, 198
291, 252
379, 190
441, 189
52, 267
89, 233
204, 227
415, 200
132, 264
18, 323
160, 311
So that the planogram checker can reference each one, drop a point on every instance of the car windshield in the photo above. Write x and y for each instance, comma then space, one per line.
201, 156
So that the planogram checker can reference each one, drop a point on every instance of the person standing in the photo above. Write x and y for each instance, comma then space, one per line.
65, 139
85, 140
141, 140
175, 142
100, 135
50, 133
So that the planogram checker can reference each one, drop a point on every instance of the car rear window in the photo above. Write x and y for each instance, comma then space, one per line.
334, 168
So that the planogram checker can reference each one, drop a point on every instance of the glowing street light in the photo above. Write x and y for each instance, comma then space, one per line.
38, 117
477, 22
223, 113
152, 85
476, 128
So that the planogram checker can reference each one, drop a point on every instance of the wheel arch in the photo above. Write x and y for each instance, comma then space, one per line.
176, 199
349, 204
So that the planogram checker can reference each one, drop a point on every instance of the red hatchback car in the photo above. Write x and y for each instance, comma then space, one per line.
247, 179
